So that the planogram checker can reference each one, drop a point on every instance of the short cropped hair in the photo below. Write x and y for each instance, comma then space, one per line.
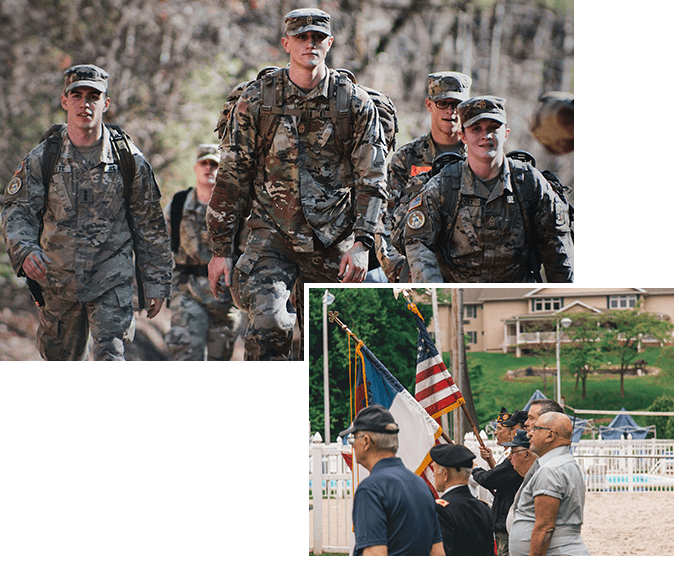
384, 441
547, 406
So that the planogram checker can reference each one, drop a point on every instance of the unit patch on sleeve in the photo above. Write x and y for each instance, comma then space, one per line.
14, 186
416, 220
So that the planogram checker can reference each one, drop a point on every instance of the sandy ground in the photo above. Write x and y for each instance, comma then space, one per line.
629, 523
615, 523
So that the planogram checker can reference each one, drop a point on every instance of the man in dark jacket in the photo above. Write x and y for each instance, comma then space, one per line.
502, 478
466, 522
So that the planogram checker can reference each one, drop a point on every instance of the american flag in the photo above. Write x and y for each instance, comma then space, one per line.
435, 389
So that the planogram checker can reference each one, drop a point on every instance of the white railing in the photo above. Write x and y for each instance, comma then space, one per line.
330, 497
617, 465
606, 465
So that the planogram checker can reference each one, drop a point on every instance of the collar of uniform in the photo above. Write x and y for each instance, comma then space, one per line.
558, 451
454, 487
105, 152
386, 463
468, 177
321, 89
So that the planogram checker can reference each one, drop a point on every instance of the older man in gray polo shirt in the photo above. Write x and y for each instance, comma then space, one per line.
550, 508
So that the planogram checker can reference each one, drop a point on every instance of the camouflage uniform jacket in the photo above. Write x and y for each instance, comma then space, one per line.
409, 160
195, 248
488, 241
304, 186
84, 230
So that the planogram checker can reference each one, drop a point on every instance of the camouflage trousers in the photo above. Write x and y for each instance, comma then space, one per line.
262, 283
202, 330
502, 543
65, 326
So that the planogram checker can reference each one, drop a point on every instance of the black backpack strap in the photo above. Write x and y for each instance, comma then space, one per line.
518, 174
52, 139
450, 185
122, 153
340, 111
176, 213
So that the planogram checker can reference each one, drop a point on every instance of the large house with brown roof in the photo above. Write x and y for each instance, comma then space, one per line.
504, 319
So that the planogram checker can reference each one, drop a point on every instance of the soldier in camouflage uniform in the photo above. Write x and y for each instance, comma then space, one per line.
80, 250
501, 205
314, 209
445, 90
200, 322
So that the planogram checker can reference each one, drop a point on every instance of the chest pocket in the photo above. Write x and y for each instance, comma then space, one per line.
464, 239
320, 132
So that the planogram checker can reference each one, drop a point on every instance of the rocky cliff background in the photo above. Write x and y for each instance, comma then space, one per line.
172, 63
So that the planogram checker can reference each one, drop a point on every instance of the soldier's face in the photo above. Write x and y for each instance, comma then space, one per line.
485, 139
444, 116
307, 49
85, 107
206, 172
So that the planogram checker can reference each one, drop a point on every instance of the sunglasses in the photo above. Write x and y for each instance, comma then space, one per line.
447, 103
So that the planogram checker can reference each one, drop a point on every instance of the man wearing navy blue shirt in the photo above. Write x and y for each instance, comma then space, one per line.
394, 511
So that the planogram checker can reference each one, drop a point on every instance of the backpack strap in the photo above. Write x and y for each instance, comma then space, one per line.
517, 174
450, 185
52, 139
176, 213
340, 111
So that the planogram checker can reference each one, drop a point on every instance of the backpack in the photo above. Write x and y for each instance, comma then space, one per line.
338, 109
128, 168
176, 208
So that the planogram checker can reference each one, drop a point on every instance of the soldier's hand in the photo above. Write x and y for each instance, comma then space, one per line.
35, 265
217, 268
354, 264
485, 453
155, 304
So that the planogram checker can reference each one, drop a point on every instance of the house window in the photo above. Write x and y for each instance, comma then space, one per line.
621, 302
470, 311
546, 304
470, 338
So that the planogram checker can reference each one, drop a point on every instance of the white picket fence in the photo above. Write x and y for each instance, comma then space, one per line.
606, 465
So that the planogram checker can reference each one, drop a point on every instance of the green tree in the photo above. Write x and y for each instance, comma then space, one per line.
664, 426
383, 323
629, 328
586, 348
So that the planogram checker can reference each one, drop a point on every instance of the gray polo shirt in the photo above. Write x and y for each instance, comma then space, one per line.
559, 476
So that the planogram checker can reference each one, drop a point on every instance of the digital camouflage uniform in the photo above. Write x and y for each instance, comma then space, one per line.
86, 235
200, 321
306, 203
486, 235
414, 158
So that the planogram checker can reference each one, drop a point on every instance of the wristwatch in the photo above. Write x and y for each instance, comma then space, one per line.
367, 241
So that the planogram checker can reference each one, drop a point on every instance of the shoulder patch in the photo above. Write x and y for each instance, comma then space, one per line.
442, 503
14, 186
20, 167
417, 201
416, 220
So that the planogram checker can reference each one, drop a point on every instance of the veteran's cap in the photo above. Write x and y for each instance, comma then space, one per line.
504, 415
307, 19
519, 416
208, 152
521, 440
448, 85
374, 418
85, 75
482, 107
452, 455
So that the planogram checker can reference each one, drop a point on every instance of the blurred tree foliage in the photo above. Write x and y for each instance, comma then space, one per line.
172, 63
386, 327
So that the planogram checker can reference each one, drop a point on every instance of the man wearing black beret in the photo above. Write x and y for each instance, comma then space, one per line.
466, 522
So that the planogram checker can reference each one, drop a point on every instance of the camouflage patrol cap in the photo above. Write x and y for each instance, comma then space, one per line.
208, 152
482, 107
307, 19
86, 75
448, 85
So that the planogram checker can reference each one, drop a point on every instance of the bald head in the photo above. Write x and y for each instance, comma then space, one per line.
550, 431
559, 422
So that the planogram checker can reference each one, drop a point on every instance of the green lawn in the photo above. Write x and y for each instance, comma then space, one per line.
492, 392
